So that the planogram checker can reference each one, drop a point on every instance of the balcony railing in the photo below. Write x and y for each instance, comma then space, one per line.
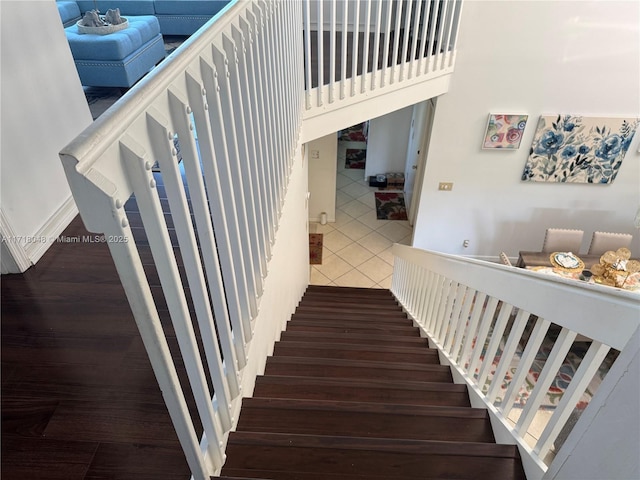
491, 321
360, 50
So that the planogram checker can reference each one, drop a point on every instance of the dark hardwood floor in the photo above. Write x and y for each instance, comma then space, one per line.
79, 398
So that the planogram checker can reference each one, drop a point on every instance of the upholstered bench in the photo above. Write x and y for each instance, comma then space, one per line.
117, 59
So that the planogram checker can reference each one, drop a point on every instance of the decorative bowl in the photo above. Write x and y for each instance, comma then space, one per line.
105, 30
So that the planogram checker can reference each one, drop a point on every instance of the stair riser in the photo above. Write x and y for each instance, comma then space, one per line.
356, 424
364, 463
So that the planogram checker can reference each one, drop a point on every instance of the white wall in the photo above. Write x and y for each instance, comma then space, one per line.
387, 142
578, 57
322, 177
287, 277
43, 108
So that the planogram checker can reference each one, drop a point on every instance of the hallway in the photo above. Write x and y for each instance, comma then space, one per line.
357, 247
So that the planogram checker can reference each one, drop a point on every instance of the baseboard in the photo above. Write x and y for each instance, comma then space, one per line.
14, 257
51, 230
317, 220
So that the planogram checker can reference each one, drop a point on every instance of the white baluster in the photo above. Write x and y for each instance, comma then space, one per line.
218, 215
481, 337
414, 44
526, 360
405, 40
496, 338
463, 321
470, 332
189, 247
589, 366
320, 40
308, 55
376, 44
354, 54
246, 164
387, 34
508, 354
424, 47
139, 169
549, 371
230, 199
365, 55
455, 317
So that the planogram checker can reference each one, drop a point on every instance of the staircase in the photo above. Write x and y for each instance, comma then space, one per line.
353, 392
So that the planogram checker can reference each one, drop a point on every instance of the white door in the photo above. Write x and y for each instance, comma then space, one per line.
415, 155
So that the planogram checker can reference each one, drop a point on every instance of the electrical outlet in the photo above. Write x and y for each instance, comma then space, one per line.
465, 244
315, 153
446, 186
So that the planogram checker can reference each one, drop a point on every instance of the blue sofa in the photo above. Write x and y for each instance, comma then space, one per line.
120, 59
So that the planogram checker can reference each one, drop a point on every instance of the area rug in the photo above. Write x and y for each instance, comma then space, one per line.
315, 248
355, 158
560, 382
354, 133
390, 206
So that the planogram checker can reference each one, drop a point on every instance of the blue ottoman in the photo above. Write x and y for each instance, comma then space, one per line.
118, 59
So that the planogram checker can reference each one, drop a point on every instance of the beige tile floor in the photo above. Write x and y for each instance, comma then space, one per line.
357, 247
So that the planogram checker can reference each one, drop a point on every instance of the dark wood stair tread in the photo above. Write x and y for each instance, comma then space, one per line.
362, 369
372, 390
374, 312
321, 325
363, 338
340, 317
371, 456
356, 352
350, 304
361, 419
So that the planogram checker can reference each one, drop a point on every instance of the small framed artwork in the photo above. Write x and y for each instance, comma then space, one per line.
504, 131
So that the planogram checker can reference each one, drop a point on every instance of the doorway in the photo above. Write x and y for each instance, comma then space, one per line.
418, 144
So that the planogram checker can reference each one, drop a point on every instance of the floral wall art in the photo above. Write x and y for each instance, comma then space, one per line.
576, 149
504, 131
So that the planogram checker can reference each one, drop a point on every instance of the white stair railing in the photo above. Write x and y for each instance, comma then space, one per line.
375, 47
216, 127
489, 321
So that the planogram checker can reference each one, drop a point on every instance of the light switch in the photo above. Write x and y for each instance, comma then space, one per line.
315, 153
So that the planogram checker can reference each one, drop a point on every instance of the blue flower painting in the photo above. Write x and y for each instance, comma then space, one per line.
574, 149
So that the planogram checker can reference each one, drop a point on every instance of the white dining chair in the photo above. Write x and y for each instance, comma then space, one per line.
604, 241
562, 240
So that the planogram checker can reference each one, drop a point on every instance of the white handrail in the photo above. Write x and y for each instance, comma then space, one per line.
464, 306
